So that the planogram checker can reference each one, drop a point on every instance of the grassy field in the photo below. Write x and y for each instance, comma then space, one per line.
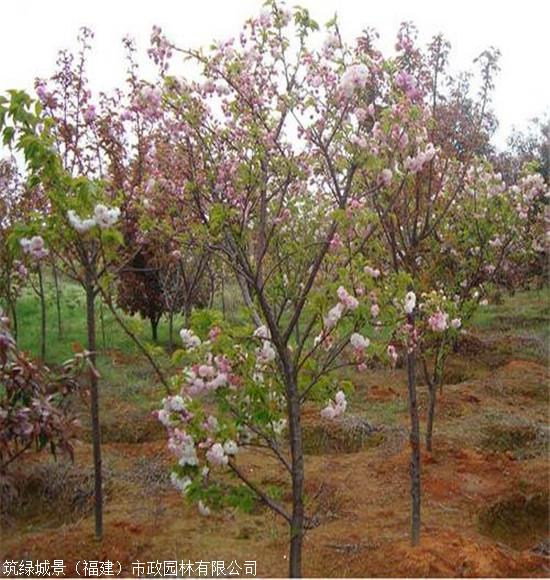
110, 336
524, 317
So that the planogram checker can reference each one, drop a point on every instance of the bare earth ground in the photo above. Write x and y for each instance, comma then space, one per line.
485, 487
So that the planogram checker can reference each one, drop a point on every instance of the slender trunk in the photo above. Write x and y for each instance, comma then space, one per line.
297, 455
57, 301
94, 394
432, 391
212, 290
102, 322
222, 284
154, 329
435, 382
414, 441
171, 330
249, 303
243, 285
187, 314
13, 309
42, 313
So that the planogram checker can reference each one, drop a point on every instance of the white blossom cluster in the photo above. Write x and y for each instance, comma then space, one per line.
34, 247
335, 408
346, 302
103, 216
410, 302
266, 354
354, 78
189, 339
358, 341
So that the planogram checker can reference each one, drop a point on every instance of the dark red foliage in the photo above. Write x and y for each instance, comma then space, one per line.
33, 402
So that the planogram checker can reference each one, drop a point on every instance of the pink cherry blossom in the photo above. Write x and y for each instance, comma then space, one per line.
216, 455
335, 408
346, 299
438, 321
353, 79
358, 341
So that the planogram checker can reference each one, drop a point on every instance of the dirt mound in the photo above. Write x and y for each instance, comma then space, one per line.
347, 435
469, 344
522, 439
444, 553
519, 521
520, 378
127, 424
48, 493
123, 542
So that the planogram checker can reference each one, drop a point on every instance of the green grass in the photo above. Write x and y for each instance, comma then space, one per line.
110, 336
522, 320
520, 310
386, 412
126, 375
520, 323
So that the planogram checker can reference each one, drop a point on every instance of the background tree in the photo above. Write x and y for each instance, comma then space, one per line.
13, 272
83, 246
530, 147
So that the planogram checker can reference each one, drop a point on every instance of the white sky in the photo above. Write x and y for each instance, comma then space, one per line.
32, 31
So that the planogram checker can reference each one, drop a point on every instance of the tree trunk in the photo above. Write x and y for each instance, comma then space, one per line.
57, 301
102, 322
435, 382
94, 395
187, 309
171, 330
222, 284
42, 314
154, 329
13, 309
415, 447
248, 299
432, 390
297, 455
212, 289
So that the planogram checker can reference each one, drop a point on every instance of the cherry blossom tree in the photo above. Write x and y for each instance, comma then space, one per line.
529, 147
77, 227
280, 165
456, 229
13, 273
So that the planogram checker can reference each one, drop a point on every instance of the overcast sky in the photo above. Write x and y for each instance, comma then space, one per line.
32, 31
